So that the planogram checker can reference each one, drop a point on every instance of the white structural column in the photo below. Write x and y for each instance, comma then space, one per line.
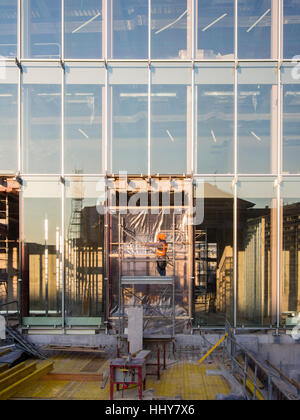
274, 170
19, 89
234, 184
149, 87
105, 88
190, 90
280, 153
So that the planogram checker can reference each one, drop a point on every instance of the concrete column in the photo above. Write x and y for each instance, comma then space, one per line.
135, 329
2, 328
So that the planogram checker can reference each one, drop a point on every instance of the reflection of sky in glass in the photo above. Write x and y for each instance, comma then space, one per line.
215, 29
8, 128
130, 29
42, 129
254, 125
42, 30
215, 129
130, 128
83, 28
291, 128
254, 35
291, 28
168, 129
169, 28
83, 128
8, 25
260, 193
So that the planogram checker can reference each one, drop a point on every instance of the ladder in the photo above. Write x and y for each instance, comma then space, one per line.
74, 234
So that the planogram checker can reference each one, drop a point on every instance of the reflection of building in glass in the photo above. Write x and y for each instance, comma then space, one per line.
84, 262
198, 91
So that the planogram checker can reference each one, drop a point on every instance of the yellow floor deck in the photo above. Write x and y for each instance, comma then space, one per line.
190, 382
183, 380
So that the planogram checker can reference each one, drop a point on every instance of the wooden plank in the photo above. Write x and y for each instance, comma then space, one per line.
74, 377
9, 372
17, 376
41, 371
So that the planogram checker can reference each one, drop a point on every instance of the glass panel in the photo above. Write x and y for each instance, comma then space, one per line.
290, 253
83, 28
215, 118
8, 28
291, 118
42, 275
215, 29
257, 252
129, 93
83, 120
214, 253
8, 119
84, 241
169, 28
42, 120
254, 32
291, 29
257, 119
130, 34
42, 28
171, 119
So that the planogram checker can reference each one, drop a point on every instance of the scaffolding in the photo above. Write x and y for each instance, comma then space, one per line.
74, 235
201, 270
163, 308
4, 247
9, 234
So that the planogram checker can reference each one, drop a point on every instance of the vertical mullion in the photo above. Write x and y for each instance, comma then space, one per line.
235, 255
278, 268
19, 28
62, 103
63, 29
19, 24
236, 92
63, 280
192, 169
279, 139
235, 210
195, 98
149, 87
62, 241
105, 98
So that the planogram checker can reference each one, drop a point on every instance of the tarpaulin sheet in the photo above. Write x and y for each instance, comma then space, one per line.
130, 234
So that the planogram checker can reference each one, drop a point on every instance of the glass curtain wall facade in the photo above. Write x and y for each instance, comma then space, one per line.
207, 89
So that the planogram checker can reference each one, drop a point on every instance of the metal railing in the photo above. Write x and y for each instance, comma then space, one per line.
8, 313
257, 381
